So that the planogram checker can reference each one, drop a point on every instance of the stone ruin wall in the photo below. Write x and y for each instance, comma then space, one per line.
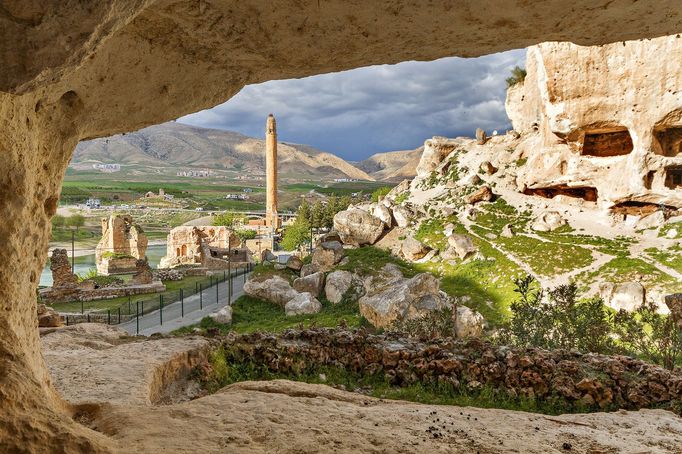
606, 120
188, 245
120, 235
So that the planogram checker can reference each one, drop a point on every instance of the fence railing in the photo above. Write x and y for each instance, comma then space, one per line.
208, 294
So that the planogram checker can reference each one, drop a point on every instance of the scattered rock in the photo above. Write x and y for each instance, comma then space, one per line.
488, 168
302, 303
268, 256
339, 283
48, 317
481, 137
400, 299
382, 212
507, 231
326, 255
462, 245
674, 303
483, 194
274, 289
627, 295
413, 249
358, 227
402, 216
312, 283
671, 234
548, 221
294, 263
468, 323
449, 229
223, 316
308, 269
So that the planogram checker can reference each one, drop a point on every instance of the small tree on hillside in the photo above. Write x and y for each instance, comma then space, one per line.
518, 75
77, 221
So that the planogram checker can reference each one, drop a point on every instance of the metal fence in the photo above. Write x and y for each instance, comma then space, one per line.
181, 301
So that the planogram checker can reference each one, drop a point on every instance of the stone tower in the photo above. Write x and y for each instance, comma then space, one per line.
271, 218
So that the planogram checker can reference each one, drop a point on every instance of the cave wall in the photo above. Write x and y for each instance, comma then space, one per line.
73, 70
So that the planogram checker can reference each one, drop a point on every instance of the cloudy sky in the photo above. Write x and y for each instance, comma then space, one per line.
379, 108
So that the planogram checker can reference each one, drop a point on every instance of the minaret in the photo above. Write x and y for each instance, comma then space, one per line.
271, 173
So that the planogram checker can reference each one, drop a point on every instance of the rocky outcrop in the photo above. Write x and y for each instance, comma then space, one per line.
223, 316
461, 245
548, 221
413, 249
468, 323
389, 298
312, 283
303, 303
122, 243
382, 212
627, 296
274, 289
340, 284
358, 227
48, 317
403, 216
326, 255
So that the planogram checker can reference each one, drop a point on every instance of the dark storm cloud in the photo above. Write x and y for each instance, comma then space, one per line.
380, 108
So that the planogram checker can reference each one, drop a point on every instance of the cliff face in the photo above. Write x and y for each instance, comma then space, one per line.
608, 118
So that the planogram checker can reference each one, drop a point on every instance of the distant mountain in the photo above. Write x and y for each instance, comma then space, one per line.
178, 146
392, 165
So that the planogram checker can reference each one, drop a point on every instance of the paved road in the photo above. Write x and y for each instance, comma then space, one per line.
172, 314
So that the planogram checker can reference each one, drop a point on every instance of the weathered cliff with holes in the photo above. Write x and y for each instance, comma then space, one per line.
609, 122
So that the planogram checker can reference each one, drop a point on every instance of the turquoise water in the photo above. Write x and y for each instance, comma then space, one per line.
87, 262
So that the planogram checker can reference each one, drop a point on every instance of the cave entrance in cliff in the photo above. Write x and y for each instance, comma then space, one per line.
587, 193
668, 141
641, 209
673, 177
607, 143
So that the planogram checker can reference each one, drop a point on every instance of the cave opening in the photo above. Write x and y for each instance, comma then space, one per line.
641, 209
587, 193
668, 141
673, 177
607, 143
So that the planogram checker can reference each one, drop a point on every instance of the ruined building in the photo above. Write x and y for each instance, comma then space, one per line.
606, 126
122, 244
210, 247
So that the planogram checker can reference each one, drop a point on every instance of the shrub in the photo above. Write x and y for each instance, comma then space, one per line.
245, 234
380, 192
518, 75
434, 325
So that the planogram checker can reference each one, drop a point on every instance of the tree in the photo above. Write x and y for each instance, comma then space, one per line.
229, 219
58, 221
245, 234
518, 75
304, 211
296, 235
77, 220
380, 193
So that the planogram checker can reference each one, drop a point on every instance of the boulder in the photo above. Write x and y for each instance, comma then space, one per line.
449, 229
274, 289
507, 231
327, 237
462, 245
294, 263
468, 323
339, 283
483, 194
674, 303
308, 269
312, 283
326, 255
548, 221
382, 212
268, 256
488, 168
401, 299
413, 249
48, 317
223, 316
627, 295
358, 227
481, 137
302, 303
402, 216
671, 234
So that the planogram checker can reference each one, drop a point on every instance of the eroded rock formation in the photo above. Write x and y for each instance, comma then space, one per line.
609, 125
74, 71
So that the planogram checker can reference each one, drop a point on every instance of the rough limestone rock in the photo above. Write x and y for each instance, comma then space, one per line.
608, 135
413, 249
507, 231
400, 299
274, 289
358, 227
652, 221
339, 283
303, 303
482, 194
77, 70
308, 269
488, 168
627, 295
327, 237
548, 221
326, 255
223, 316
48, 317
268, 256
468, 323
481, 137
403, 216
435, 150
674, 303
384, 213
462, 245
313, 283
294, 263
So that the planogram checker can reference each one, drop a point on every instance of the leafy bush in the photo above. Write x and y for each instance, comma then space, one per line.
518, 75
379, 193
100, 281
229, 219
434, 325
245, 234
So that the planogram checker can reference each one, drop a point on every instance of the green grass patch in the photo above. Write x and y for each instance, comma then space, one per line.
369, 260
